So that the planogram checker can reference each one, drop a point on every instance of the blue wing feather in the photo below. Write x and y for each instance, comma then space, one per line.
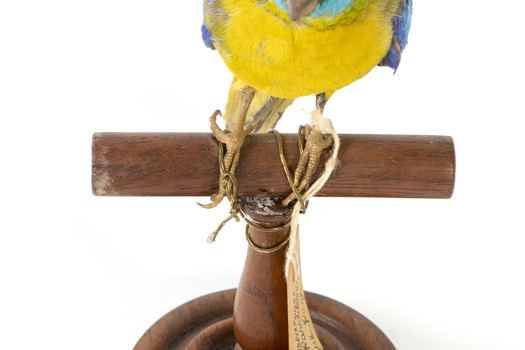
205, 32
401, 25
206, 36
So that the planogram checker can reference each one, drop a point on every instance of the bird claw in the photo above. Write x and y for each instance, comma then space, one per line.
233, 141
215, 199
316, 143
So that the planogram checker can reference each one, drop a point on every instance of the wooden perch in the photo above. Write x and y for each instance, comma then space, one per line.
186, 164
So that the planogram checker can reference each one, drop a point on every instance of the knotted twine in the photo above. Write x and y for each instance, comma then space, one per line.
229, 183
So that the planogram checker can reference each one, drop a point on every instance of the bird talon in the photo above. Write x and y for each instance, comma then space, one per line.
215, 200
233, 140
213, 117
316, 143
251, 127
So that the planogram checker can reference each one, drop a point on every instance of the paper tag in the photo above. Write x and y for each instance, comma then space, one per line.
301, 330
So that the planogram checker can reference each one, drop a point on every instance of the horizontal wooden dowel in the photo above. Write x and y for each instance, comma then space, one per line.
186, 164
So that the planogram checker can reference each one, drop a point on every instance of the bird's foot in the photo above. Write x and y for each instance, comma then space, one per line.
233, 141
316, 143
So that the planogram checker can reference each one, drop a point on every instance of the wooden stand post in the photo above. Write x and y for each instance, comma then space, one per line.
254, 316
260, 315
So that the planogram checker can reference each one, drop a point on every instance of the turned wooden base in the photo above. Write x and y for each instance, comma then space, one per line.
206, 323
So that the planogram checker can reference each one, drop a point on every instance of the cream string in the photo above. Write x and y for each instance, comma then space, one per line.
324, 125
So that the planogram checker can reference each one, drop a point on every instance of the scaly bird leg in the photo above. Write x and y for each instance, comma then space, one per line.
233, 140
316, 143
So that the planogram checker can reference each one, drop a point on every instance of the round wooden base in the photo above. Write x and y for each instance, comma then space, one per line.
206, 323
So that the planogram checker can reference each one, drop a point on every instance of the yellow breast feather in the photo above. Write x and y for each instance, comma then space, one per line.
290, 60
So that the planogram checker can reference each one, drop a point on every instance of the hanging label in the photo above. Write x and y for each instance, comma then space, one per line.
302, 335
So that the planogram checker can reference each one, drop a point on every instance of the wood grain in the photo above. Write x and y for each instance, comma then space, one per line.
186, 164
260, 313
206, 323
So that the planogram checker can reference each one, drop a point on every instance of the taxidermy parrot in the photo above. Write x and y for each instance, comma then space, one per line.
279, 50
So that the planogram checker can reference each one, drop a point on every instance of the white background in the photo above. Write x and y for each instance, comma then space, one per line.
85, 272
